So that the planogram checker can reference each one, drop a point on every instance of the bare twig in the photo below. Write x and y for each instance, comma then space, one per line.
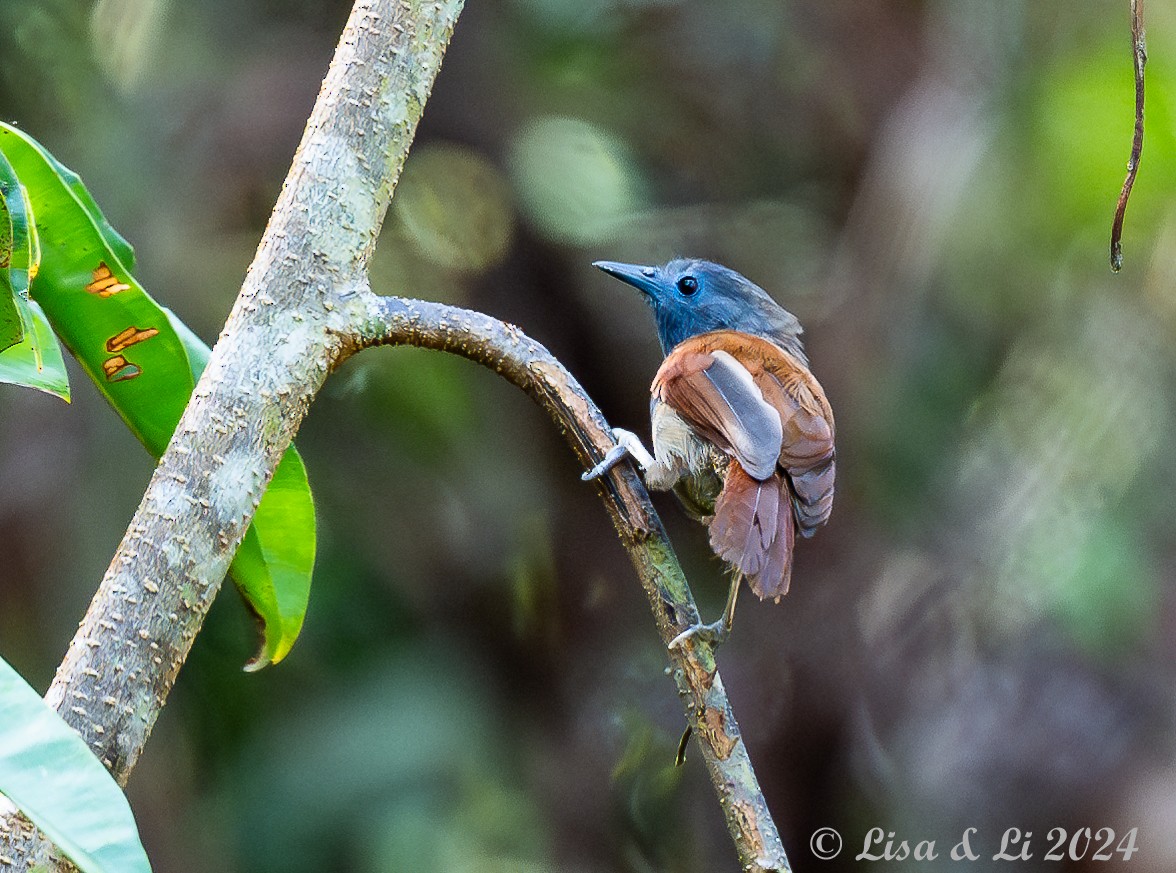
1139, 57
527, 364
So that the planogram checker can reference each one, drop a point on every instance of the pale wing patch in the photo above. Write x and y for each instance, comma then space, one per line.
758, 432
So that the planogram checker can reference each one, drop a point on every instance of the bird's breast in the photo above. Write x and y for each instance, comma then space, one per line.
674, 439
691, 465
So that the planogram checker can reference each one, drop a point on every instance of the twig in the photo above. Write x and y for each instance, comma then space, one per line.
1139, 56
527, 364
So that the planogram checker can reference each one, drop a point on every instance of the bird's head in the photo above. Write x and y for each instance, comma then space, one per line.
691, 296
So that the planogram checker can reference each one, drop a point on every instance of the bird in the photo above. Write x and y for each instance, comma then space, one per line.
742, 431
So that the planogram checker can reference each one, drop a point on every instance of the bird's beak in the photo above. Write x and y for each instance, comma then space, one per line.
644, 279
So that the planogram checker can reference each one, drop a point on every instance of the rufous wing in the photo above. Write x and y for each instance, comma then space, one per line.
722, 383
806, 452
716, 395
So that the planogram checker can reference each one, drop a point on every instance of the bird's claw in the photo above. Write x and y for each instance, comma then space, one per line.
715, 633
627, 444
611, 458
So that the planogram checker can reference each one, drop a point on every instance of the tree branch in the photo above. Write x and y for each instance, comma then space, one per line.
524, 362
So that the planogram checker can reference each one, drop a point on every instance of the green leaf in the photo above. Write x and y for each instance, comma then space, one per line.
18, 261
22, 364
11, 329
146, 362
118, 334
48, 772
276, 557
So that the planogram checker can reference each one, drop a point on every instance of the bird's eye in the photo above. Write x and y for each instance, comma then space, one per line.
687, 285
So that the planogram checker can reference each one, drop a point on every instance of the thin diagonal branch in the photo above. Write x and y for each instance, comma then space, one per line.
527, 364
1139, 59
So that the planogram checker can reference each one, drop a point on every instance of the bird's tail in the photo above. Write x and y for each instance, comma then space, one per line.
754, 530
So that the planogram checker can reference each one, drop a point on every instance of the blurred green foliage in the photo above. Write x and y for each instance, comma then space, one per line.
982, 637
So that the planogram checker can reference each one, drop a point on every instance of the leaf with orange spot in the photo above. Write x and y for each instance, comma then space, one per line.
146, 363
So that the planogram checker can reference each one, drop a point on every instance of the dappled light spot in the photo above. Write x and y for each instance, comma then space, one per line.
105, 283
126, 37
455, 207
576, 181
1072, 420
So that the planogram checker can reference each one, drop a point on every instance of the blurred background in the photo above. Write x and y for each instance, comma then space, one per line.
983, 636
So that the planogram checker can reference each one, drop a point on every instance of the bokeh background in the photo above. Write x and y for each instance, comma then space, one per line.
983, 636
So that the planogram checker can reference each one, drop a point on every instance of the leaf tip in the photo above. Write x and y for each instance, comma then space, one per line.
257, 663
271, 652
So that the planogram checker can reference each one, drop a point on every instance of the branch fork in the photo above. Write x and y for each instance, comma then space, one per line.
304, 308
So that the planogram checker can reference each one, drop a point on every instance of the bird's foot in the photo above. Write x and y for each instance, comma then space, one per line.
611, 458
715, 633
628, 445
